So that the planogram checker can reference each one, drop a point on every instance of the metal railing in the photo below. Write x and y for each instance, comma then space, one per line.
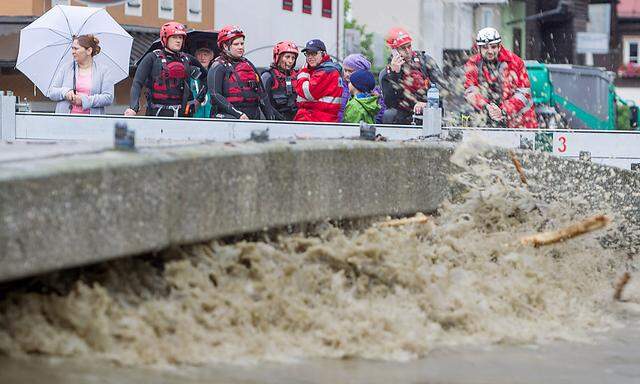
615, 148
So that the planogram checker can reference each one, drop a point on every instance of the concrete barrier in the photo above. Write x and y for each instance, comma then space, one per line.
60, 208
73, 209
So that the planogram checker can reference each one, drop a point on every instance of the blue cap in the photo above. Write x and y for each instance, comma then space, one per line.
314, 45
363, 80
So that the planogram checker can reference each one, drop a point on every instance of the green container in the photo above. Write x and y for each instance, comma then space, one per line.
584, 96
541, 89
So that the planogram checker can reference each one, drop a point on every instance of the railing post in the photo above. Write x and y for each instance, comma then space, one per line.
7, 116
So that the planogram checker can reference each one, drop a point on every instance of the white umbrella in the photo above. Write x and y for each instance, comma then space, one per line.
45, 44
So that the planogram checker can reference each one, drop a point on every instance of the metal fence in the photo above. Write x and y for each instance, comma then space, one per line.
615, 148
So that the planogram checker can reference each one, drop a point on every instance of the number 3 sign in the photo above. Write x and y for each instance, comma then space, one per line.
562, 144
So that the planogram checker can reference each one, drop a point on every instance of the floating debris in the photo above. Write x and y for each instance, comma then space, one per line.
585, 226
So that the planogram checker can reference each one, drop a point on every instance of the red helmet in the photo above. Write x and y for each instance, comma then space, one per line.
169, 29
398, 37
229, 33
284, 47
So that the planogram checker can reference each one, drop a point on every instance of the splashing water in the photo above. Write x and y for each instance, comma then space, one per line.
391, 293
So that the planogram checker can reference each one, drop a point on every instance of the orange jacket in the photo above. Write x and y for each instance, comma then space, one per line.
516, 101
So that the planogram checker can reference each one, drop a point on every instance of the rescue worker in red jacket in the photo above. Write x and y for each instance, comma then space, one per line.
406, 79
280, 80
165, 73
319, 85
234, 83
497, 84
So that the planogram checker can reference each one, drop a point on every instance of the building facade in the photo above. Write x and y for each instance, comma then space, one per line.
141, 18
627, 55
264, 21
572, 31
267, 22
444, 28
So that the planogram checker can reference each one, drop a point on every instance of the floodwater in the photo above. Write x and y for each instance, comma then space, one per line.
458, 299
612, 357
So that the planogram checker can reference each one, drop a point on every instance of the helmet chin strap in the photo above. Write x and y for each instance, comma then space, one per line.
227, 52
166, 47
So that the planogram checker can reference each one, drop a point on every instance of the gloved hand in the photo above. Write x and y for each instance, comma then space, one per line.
495, 113
191, 108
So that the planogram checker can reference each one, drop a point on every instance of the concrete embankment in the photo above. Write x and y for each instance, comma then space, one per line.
64, 209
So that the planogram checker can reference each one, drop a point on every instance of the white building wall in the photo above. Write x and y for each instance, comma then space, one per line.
435, 25
433, 28
629, 93
459, 26
379, 16
266, 23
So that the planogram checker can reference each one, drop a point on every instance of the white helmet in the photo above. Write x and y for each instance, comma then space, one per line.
488, 36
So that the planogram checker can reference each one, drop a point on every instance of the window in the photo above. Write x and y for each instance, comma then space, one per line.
517, 40
59, 2
133, 8
306, 6
194, 11
631, 49
487, 18
633, 52
287, 5
165, 9
326, 8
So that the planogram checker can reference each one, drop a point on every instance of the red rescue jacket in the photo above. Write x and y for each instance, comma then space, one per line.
319, 92
516, 101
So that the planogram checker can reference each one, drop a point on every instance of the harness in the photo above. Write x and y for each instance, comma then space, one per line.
243, 84
160, 107
282, 90
169, 86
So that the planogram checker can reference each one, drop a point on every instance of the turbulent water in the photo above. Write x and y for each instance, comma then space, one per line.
389, 293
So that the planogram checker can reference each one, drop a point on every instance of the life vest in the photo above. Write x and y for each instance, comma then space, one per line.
169, 82
414, 81
242, 82
283, 89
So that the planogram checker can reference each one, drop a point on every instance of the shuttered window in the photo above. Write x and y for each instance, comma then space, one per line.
165, 9
133, 8
306, 6
194, 10
287, 5
326, 8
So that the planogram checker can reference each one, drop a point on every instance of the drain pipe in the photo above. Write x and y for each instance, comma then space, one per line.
561, 9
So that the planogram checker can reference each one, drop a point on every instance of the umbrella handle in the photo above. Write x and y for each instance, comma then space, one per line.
74, 77
74, 84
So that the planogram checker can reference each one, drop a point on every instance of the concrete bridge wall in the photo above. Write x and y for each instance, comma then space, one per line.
68, 210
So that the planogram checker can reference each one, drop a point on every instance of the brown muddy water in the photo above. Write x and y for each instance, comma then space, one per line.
456, 300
